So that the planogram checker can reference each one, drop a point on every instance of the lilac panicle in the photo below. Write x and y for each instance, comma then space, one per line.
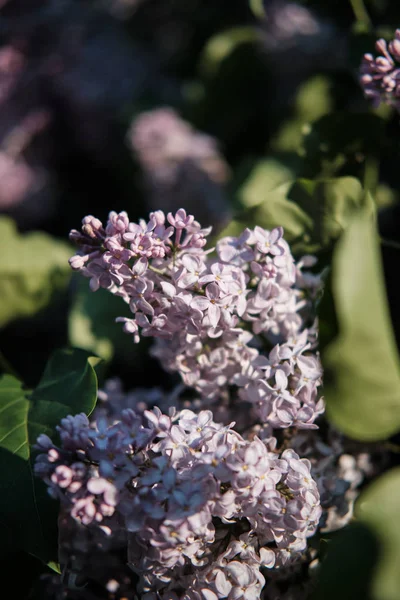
196, 505
380, 76
213, 316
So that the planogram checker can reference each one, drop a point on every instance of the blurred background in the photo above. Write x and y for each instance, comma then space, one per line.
143, 104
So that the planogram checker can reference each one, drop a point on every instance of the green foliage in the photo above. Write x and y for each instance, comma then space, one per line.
362, 374
28, 515
220, 46
265, 176
312, 213
378, 507
362, 561
346, 570
33, 268
340, 138
92, 325
313, 101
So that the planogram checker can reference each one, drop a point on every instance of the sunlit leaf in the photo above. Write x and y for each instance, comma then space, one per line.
312, 213
362, 372
33, 267
220, 46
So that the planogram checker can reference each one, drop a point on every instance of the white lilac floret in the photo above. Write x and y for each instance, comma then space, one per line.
239, 317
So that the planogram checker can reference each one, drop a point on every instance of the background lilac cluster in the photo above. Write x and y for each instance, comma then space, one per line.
380, 76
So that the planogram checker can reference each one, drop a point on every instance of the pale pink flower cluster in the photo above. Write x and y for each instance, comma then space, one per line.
202, 508
241, 317
164, 144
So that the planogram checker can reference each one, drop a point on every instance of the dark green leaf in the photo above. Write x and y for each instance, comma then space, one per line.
378, 507
345, 573
350, 135
28, 515
92, 325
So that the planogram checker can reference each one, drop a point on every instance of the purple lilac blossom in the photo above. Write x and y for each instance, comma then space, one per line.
241, 318
181, 166
180, 460
198, 506
380, 76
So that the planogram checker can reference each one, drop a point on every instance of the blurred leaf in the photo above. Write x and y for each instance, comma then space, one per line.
352, 136
312, 213
233, 105
257, 8
281, 208
92, 324
385, 196
313, 100
265, 176
221, 45
33, 267
28, 514
54, 566
378, 507
346, 569
327, 318
362, 375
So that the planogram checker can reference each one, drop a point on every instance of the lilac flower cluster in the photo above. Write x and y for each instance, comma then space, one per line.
181, 166
241, 318
163, 142
380, 77
339, 466
201, 509
183, 449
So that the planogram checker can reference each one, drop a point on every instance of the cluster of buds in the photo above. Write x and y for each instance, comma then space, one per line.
380, 76
241, 317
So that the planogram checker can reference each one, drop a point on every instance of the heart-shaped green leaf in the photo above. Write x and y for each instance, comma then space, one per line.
28, 515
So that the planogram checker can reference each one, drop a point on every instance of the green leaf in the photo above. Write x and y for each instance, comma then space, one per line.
378, 507
346, 569
28, 515
257, 8
313, 100
92, 325
312, 213
352, 136
221, 45
54, 567
33, 267
265, 176
362, 372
